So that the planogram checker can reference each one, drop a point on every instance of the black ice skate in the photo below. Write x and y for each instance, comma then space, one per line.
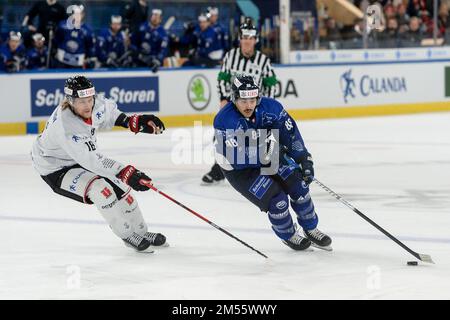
297, 242
214, 176
137, 242
318, 239
156, 239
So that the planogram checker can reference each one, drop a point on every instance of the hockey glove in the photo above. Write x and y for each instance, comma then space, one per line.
132, 177
112, 63
307, 168
11, 66
154, 66
146, 123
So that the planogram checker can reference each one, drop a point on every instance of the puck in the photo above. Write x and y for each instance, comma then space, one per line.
412, 263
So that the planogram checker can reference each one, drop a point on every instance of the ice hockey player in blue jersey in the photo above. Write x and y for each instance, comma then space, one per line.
222, 35
75, 42
111, 44
209, 51
152, 42
37, 56
263, 156
209, 44
13, 54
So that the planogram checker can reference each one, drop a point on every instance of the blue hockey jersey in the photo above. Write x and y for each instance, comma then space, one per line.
222, 36
7, 57
110, 45
151, 41
269, 119
37, 59
74, 45
209, 45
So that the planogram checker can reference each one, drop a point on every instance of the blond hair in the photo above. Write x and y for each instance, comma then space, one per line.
65, 104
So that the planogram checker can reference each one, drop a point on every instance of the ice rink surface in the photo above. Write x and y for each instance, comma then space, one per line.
394, 169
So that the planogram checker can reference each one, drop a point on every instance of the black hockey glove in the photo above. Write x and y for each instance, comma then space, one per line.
132, 177
90, 63
11, 66
146, 123
307, 168
154, 66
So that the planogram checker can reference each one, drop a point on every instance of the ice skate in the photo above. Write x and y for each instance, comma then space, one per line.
214, 176
156, 239
137, 242
318, 239
297, 242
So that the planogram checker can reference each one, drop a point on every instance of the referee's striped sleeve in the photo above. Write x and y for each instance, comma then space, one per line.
269, 79
222, 77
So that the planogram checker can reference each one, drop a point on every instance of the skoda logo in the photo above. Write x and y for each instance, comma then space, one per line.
199, 92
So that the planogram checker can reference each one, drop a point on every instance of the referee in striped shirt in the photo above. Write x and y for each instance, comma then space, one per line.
243, 60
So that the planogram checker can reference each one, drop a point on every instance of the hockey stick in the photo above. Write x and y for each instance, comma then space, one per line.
421, 257
169, 23
149, 184
50, 48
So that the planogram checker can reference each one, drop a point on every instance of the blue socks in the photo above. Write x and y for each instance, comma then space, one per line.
280, 216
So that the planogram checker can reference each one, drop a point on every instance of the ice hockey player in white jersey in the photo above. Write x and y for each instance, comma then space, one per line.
67, 158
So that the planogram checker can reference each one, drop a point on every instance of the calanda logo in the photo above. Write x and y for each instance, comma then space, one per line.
199, 92
366, 85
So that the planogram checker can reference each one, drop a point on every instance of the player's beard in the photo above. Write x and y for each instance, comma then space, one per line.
248, 112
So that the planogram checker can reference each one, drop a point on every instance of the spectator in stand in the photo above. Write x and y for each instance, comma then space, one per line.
380, 4
402, 18
75, 42
112, 45
37, 56
389, 37
412, 37
443, 20
50, 14
389, 11
13, 54
151, 42
422, 9
332, 30
134, 15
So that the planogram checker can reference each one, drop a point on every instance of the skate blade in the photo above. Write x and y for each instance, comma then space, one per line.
214, 183
149, 250
327, 248
307, 249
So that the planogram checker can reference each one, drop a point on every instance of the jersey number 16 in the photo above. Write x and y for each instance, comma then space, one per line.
90, 145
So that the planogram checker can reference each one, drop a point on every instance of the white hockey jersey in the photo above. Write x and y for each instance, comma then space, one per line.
68, 140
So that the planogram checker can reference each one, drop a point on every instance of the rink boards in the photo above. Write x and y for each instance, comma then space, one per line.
182, 96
